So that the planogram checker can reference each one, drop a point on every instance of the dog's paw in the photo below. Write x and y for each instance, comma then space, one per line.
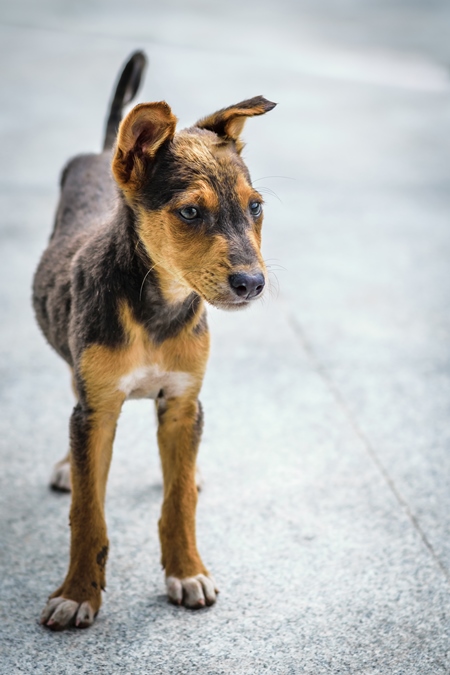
60, 613
60, 478
193, 592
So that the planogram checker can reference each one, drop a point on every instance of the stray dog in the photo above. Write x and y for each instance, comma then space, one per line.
120, 294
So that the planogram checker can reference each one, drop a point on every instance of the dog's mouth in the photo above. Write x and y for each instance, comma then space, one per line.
229, 306
237, 292
228, 301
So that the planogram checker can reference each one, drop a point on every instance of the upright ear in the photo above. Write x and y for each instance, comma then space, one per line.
229, 122
140, 135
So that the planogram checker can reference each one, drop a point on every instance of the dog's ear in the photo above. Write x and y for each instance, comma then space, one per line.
140, 135
229, 122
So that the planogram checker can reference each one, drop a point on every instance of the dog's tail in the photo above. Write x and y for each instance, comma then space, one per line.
126, 89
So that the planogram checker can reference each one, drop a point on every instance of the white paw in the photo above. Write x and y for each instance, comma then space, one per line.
192, 592
60, 478
60, 613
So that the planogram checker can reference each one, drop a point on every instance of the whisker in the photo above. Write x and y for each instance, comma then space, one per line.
276, 267
155, 265
273, 271
271, 266
269, 191
193, 299
143, 281
274, 288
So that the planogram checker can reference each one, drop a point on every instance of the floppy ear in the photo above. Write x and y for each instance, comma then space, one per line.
140, 135
229, 122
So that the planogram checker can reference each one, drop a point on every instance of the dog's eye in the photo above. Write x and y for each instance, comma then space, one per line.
189, 213
255, 208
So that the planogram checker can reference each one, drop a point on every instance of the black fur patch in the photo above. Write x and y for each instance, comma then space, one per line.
102, 556
202, 326
171, 173
198, 428
80, 429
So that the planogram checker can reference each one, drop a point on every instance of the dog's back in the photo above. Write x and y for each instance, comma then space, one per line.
88, 202
88, 194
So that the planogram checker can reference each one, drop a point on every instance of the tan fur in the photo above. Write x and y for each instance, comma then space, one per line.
246, 193
178, 443
89, 545
198, 263
216, 259
233, 120
182, 256
101, 369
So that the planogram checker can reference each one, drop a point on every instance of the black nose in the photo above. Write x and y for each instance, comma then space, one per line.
247, 285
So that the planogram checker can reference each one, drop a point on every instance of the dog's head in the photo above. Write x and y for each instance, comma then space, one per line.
199, 217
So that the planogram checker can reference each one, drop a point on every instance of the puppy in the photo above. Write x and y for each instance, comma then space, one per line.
146, 232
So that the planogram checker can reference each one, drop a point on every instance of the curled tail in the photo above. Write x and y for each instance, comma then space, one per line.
126, 89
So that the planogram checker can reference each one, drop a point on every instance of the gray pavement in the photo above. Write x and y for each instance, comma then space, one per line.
326, 508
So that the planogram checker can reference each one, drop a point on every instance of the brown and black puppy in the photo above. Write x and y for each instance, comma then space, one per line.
120, 294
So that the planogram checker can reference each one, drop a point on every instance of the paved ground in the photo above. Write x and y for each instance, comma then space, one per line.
326, 509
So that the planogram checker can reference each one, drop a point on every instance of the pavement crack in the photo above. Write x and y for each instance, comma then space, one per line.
343, 405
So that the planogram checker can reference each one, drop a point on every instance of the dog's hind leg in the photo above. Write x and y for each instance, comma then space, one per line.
179, 431
78, 600
60, 480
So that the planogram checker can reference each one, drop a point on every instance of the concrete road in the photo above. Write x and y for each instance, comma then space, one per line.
326, 508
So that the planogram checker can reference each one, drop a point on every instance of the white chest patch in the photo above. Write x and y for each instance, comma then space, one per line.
147, 382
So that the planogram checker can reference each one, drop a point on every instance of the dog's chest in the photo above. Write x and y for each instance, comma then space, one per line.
148, 381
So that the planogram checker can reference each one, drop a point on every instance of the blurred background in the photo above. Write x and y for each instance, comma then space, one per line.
325, 512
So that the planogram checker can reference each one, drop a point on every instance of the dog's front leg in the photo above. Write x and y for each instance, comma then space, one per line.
179, 431
78, 600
